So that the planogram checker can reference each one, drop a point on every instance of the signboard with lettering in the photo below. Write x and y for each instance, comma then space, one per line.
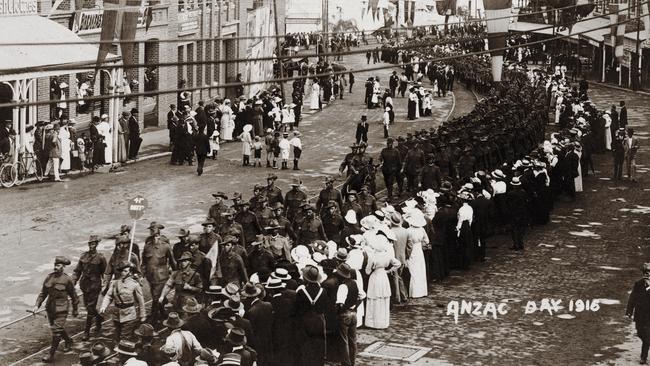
18, 7
137, 206
188, 21
90, 21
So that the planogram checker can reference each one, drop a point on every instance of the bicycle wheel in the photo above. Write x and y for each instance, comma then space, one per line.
8, 175
21, 173
38, 170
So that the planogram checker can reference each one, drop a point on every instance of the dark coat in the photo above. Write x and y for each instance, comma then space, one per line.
639, 303
201, 143
362, 132
260, 314
283, 331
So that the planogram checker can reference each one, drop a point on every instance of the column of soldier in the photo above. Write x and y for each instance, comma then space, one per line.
282, 281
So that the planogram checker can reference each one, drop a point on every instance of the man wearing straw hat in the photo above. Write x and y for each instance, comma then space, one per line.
125, 293
89, 272
185, 345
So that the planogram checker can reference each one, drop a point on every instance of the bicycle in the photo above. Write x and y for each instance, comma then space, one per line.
8, 171
27, 163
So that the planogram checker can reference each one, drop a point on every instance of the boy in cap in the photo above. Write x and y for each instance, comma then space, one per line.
58, 286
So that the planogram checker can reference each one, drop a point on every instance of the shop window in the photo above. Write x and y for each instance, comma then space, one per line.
59, 94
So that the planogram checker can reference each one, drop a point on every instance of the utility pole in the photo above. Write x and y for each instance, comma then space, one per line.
636, 85
278, 46
326, 25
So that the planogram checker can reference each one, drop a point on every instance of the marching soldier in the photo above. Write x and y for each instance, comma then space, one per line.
311, 228
391, 161
57, 287
208, 237
125, 293
350, 161
199, 262
120, 254
273, 193
329, 193
294, 199
186, 283
157, 261
286, 229
218, 208
367, 202
332, 223
231, 227
413, 164
89, 272
125, 230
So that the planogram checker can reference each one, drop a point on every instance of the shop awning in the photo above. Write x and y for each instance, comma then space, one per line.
27, 61
599, 26
531, 27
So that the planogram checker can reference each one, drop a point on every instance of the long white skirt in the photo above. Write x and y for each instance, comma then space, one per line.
417, 268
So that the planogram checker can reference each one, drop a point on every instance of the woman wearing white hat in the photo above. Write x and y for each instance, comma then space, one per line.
416, 239
380, 260
105, 131
227, 121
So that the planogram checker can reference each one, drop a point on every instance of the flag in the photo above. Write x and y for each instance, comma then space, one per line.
446, 7
497, 30
148, 17
372, 6
119, 22
617, 30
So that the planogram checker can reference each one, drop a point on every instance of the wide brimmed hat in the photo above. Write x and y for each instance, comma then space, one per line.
248, 128
220, 314
233, 303
220, 194
351, 217
344, 270
182, 233
127, 348
192, 306
94, 239
209, 221
207, 357
274, 284
277, 206
173, 321
145, 330
155, 225
515, 181
59, 259
186, 256
214, 290
396, 218
281, 274
100, 350
415, 219
295, 182
498, 174
259, 239
250, 290
341, 254
311, 274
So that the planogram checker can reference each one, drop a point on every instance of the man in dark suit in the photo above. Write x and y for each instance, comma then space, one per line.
638, 305
236, 339
517, 203
171, 124
572, 160
393, 82
362, 130
482, 223
201, 147
260, 314
201, 116
622, 115
134, 134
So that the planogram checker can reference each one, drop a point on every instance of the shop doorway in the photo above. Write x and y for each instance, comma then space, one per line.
151, 83
6, 95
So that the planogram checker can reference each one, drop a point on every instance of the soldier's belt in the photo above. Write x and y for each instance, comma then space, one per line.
125, 305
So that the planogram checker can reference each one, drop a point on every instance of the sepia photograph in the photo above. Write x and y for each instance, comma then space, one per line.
324, 182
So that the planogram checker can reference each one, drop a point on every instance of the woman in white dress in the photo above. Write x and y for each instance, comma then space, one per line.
416, 238
64, 137
578, 179
380, 260
227, 122
247, 144
314, 100
104, 129
558, 107
355, 261
608, 132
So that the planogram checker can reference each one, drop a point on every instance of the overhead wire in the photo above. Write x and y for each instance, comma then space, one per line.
279, 80
184, 40
88, 65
